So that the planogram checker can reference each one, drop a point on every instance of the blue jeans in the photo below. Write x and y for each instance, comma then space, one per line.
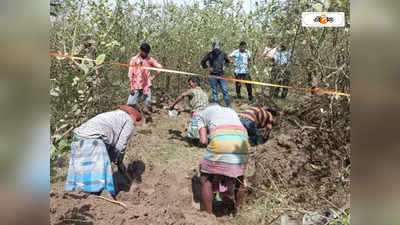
255, 135
133, 97
223, 86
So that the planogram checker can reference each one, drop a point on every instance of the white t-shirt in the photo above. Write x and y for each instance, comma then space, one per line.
269, 52
215, 115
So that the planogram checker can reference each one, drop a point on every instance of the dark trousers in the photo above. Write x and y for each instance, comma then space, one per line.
255, 135
243, 76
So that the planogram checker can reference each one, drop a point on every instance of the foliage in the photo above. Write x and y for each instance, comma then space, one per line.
62, 146
180, 34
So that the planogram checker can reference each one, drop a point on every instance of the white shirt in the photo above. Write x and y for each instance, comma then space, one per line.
269, 52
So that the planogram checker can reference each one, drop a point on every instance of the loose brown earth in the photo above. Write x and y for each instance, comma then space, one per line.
298, 170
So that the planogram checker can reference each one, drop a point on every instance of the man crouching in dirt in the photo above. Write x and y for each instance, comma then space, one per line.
198, 100
222, 169
96, 142
255, 118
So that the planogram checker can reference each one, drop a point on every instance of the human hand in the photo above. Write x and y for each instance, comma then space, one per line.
266, 134
179, 108
122, 169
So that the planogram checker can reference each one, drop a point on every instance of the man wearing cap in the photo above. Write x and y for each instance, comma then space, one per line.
96, 143
140, 79
242, 57
89, 51
217, 58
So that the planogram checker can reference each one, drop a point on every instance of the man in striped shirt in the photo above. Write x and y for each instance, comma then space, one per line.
224, 162
255, 118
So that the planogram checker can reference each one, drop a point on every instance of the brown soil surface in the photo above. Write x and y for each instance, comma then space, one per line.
305, 166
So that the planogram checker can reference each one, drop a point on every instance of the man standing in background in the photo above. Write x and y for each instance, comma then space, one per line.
140, 79
88, 50
242, 58
217, 58
282, 70
269, 54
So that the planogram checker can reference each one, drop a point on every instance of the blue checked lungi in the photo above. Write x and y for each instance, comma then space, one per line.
194, 126
89, 166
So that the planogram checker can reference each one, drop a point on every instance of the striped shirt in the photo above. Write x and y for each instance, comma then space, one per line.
261, 117
228, 138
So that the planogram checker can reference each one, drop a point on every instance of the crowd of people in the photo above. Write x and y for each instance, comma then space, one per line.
227, 134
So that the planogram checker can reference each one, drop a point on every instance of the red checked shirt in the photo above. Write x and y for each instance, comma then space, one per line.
140, 78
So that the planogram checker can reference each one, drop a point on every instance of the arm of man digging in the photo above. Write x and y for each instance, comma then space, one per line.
267, 132
203, 136
121, 144
182, 96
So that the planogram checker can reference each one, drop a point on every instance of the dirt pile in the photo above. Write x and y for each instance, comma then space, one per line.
310, 148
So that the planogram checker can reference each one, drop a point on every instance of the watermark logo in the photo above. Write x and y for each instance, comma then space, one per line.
323, 19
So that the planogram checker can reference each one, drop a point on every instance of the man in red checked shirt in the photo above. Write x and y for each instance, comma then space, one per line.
140, 79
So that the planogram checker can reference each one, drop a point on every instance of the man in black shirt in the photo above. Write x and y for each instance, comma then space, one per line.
217, 59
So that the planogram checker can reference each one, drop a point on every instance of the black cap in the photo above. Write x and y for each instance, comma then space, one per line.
242, 43
216, 45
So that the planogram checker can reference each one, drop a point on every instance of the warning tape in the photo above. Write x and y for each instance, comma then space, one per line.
313, 90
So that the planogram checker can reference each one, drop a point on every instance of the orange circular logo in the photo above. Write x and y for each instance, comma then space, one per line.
323, 19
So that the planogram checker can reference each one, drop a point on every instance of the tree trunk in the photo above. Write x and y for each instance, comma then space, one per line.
76, 25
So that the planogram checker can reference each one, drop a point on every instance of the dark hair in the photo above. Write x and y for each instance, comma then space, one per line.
195, 80
272, 111
145, 47
242, 43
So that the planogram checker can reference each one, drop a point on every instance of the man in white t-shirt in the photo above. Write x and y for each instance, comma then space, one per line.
269, 54
269, 51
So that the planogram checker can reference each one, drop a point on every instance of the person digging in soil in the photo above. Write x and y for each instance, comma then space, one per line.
140, 79
255, 118
198, 100
96, 142
222, 168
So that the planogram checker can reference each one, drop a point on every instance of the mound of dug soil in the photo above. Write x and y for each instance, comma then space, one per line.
310, 148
